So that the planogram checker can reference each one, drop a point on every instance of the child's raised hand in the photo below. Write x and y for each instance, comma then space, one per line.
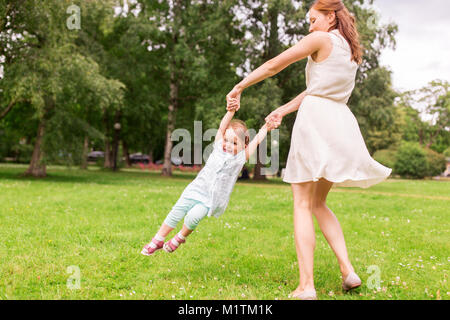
234, 99
232, 108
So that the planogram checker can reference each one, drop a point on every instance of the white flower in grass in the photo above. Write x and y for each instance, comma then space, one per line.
243, 295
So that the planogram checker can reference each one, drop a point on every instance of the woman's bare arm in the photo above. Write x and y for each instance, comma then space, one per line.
292, 105
304, 48
273, 120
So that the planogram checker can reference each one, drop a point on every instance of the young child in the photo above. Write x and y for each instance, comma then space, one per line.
209, 193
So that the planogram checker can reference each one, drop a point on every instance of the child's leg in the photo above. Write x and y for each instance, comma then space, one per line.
164, 230
193, 217
177, 213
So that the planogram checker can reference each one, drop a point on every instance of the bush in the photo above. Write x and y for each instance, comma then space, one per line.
386, 157
436, 162
447, 152
411, 161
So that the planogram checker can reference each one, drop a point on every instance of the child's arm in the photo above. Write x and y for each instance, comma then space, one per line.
251, 148
224, 124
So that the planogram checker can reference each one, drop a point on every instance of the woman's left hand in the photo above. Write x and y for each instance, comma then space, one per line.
274, 119
234, 99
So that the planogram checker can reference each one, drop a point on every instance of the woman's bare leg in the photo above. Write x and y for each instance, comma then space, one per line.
330, 226
305, 239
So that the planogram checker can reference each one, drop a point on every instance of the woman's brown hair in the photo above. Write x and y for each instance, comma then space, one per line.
345, 22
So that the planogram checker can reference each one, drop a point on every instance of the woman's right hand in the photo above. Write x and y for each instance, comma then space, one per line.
234, 99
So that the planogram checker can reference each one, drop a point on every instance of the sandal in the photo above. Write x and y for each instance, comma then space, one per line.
173, 244
149, 250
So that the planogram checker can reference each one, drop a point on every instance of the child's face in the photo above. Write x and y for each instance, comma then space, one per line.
231, 142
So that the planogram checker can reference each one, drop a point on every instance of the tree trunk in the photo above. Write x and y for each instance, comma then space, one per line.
37, 168
108, 155
107, 163
7, 110
421, 137
116, 140
150, 156
84, 157
126, 153
258, 166
167, 167
272, 49
274, 42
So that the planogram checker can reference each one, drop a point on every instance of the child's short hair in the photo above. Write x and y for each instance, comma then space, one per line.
240, 129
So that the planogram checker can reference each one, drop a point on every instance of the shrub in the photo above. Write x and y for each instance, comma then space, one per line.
436, 162
386, 157
447, 152
411, 161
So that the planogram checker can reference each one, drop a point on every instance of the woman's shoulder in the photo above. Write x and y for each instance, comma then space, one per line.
320, 37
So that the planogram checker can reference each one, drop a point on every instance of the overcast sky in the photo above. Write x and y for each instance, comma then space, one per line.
423, 41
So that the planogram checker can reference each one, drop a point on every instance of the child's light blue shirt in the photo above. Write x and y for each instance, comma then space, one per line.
214, 183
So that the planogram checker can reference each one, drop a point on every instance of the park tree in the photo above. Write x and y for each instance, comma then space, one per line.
432, 100
117, 38
44, 68
194, 45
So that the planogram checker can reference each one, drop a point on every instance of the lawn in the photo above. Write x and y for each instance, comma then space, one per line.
91, 225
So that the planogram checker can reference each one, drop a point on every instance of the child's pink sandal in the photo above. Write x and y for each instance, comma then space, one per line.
149, 250
173, 244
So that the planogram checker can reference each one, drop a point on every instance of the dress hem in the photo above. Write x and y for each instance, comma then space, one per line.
370, 181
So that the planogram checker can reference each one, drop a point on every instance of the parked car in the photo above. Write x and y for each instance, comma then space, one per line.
139, 158
175, 161
95, 155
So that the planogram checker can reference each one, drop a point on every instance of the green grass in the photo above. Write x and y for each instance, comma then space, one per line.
99, 221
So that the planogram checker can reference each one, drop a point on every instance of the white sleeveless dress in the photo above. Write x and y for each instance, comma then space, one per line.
326, 139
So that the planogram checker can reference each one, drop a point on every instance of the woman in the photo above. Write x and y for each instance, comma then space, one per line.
327, 148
